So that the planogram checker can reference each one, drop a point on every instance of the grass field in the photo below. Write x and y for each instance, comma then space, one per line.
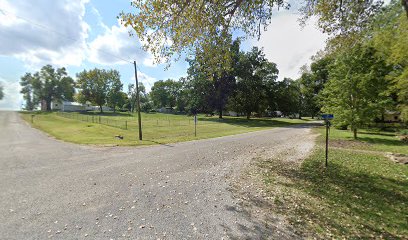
157, 128
360, 195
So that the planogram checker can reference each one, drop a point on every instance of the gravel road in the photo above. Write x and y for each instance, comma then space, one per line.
51, 189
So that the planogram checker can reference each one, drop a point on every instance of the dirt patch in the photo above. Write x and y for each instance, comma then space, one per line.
264, 209
348, 144
404, 138
398, 158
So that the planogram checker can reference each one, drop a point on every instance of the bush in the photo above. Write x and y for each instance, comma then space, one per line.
403, 131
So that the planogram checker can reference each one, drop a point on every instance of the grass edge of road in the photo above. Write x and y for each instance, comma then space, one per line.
360, 194
89, 133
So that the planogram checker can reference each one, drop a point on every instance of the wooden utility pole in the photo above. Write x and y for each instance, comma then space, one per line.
138, 103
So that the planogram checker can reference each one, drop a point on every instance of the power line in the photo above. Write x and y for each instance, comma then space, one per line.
61, 34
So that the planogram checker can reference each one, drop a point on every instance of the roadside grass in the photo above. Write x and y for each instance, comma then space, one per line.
158, 128
367, 140
361, 195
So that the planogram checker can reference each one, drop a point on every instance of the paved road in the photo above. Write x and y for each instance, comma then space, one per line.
57, 190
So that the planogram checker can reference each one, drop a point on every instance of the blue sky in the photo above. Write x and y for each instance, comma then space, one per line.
78, 34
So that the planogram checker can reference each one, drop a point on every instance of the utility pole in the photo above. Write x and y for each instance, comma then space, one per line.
138, 103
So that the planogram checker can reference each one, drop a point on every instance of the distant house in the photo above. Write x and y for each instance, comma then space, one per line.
392, 116
66, 106
165, 110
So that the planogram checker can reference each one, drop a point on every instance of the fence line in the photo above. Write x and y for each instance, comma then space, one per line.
126, 124
95, 119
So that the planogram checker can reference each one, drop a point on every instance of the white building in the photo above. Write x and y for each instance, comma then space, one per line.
66, 106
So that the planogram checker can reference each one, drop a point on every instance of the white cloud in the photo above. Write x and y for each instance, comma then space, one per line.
43, 32
12, 98
117, 42
290, 46
147, 80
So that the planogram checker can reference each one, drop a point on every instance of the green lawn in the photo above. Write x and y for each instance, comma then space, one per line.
157, 128
361, 195
367, 140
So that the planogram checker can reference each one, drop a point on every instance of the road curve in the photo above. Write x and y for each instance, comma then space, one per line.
57, 190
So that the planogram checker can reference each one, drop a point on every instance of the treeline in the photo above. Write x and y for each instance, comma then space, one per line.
98, 86
249, 87
362, 74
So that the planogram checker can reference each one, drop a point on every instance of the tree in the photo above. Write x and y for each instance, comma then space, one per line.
115, 98
389, 36
165, 93
173, 27
254, 73
357, 90
132, 96
288, 97
27, 90
311, 83
97, 86
1, 92
196, 26
221, 83
47, 85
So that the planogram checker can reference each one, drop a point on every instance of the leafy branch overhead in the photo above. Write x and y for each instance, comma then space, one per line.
170, 28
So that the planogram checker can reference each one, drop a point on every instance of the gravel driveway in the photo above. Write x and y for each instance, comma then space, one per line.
57, 190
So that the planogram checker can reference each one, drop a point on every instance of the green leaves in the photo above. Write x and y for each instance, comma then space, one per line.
100, 86
203, 28
357, 90
1, 92
47, 85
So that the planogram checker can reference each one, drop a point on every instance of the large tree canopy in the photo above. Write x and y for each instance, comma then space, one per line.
169, 28
99, 86
47, 85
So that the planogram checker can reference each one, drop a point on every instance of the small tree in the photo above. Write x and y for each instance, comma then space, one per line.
99, 86
1, 92
357, 89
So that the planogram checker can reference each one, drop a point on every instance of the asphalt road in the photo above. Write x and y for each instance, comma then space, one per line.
52, 189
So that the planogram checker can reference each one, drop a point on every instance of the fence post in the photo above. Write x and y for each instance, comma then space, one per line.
99, 119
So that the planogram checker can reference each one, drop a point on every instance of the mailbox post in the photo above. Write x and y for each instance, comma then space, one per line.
327, 123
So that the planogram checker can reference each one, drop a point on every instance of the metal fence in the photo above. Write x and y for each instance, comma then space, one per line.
123, 124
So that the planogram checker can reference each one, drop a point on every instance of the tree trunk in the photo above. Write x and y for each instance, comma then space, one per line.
248, 115
100, 109
405, 4
220, 114
355, 133
48, 104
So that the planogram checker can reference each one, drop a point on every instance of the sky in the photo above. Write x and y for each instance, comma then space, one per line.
85, 34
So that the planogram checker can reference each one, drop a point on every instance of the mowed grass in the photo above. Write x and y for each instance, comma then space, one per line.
157, 128
361, 195
367, 140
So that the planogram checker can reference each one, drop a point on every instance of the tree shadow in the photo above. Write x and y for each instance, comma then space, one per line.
375, 200
158, 143
254, 122
268, 227
389, 142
